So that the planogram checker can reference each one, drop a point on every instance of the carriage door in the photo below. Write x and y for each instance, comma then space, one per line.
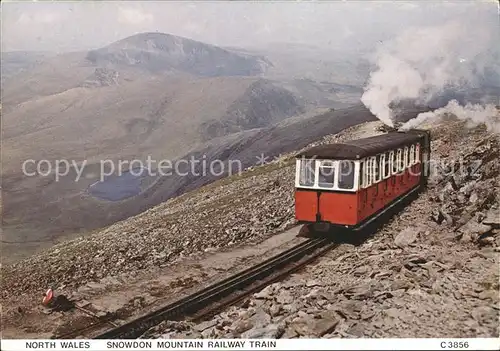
327, 173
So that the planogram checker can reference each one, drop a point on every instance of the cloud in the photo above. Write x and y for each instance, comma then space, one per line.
39, 18
131, 15
351, 26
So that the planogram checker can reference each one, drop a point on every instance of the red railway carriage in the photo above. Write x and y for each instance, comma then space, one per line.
350, 184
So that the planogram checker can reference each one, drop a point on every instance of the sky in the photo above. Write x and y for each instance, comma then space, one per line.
336, 25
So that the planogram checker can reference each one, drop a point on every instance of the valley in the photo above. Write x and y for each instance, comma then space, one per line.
154, 96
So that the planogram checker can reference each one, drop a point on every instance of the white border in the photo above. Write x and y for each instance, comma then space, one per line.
251, 344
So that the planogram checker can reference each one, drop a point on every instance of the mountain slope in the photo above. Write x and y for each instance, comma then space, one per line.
156, 52
14, 62
264, 104
153, 96
244, 210
61, 210
135, 57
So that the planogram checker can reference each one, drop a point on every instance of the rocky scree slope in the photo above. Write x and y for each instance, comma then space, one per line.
236, 209
433, 271
31, 201
376, 289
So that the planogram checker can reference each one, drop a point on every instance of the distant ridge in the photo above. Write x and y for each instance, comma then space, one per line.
163, 52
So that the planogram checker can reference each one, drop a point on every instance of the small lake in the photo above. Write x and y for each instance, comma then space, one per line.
120, 187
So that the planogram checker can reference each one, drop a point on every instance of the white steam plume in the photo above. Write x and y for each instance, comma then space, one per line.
423, 62
474, 114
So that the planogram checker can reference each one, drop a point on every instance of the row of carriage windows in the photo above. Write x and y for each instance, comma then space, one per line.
372, 169
382, 166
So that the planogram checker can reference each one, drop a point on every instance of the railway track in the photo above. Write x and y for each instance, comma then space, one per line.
215, 297
97, 323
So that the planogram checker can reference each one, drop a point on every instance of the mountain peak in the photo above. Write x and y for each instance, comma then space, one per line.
154, 51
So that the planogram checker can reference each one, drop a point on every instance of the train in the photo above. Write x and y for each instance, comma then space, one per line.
351, 184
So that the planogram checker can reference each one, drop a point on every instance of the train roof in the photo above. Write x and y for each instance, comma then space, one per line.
361, 148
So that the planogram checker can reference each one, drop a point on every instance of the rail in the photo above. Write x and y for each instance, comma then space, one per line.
226, 292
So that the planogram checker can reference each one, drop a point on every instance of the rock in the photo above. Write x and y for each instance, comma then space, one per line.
326, 324
265, 293
275, 310
466, 237
473, 198
101, 314
356, 330
360, 292
284, 297
361, 271
323, 323
302, 327
312, 295
395, 313
96, 286
349, 309
205, 325
272, 331
487, 241
260, 318
312, 283
468, 188
437, 216
400, 284
484, 313
290, 333
406, 237
488, 294
242, 326
367, 314
292, 308
492, 218
472, 230
447, 218
208, 333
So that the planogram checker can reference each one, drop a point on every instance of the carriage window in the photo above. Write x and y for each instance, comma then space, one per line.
405, 157
412, 155
367, 173
369, 170
326, 177
307, 172
378, 169
381, 166
373, 170
417, 153
386, 161
393, 162
399, 161
346, 175
362, 174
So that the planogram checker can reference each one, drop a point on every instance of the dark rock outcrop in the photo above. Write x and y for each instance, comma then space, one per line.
262, 104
